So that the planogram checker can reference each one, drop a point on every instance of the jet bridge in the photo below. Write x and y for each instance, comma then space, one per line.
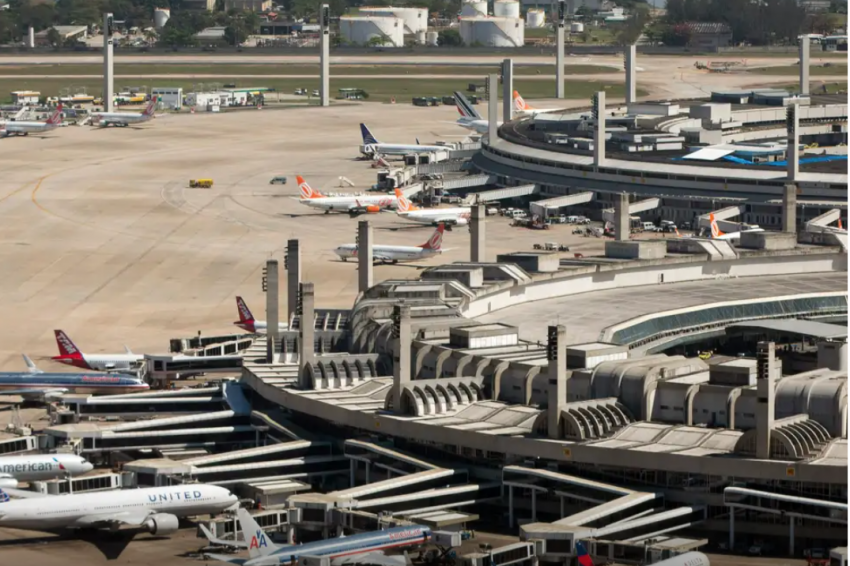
635, 208
542, 208
504, 193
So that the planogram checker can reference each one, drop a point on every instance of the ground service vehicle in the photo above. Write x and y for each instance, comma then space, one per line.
279, 180
201, 183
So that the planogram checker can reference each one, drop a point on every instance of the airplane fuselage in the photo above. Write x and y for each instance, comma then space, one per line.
388, 253
455, 216
120, 118
101, 362
37, 467
344, 204
73, 382
259, 326
24, 128
399, 149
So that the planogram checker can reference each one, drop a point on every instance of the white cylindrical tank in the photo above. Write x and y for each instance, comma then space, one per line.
420, 38
506, 9
160, 17
535, 18
576, 27
432, 38
493, 32
415, 19
360, 30
473, 9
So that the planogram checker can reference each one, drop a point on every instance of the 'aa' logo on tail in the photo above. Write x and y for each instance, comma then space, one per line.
258, 540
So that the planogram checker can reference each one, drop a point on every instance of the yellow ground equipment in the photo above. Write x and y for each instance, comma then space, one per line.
201, 183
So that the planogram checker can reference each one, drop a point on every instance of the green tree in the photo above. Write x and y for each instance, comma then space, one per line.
78, 12
678, 35
236, 33
449, 38
376, 41
53, 37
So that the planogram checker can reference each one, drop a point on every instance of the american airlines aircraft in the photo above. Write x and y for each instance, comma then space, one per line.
38, 467
16, 128
364, 548
314, 199
247, 322
521, 108
156, 509
435, 216
73, 356
371, 146
38, 385
716, 233
395, 254
124, 119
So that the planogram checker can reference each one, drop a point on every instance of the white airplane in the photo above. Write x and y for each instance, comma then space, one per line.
371, 146
717, 234
395, 254
521, 107
434, 216
247, 322
15, 128
157, 509
124, 119
71, 355
354, 205
38, 467
469, 116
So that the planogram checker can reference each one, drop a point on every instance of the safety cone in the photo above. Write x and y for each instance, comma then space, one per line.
392, 100
192, 110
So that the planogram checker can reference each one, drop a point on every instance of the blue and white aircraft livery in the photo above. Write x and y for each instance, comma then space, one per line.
156, 509
365, 548
37, 467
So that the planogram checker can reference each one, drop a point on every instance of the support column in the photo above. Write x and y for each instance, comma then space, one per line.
556, 353
364, 256
631, 74
765, 376
805, 48
492, 109
791, 535
792, 154
31, 37
271, 286
731, 528
533, 505
789, 208
108, 66
559, 49
325, 55
622, 219
477, 243
507, 90
510, 506
598, 113
368, 464
352, 469
562, 515
292, 264
306, 333
401, 353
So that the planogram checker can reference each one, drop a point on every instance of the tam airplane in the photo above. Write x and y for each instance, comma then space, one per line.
371, 146
363, 548
157, 509
124, 119
16, 128
71, 355
395, 254
352, 204
522, 108
247, 322
434, 216
717, 234
40, 467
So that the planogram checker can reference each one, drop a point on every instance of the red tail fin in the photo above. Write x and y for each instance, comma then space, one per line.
435, 242
584, 558
67, 348
56, 118
244, 312
151, 108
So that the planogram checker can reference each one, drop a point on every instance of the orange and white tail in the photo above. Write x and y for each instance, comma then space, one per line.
306, 190
840, 227
56, 118
435, 242
404, 205
519, 103
715, 230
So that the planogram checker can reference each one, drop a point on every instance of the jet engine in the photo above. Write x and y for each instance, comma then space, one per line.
161, 524
8, 482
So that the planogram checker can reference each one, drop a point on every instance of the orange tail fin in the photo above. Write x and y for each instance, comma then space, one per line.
307, 191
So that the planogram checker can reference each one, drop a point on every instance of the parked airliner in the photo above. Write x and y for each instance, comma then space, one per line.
371, 146
469, 116
435, 216
156, 509
73, 356
717, 234
39, 467
522, 108
248, 322
395, 254
124, 119
314, 199
16, 128
364, 548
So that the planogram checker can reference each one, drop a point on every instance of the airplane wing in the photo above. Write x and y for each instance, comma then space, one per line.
133, 518
376, 558
228, 559
378, 257
29, 391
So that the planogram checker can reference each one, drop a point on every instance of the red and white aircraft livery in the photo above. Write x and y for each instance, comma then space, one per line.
314, 199
395, 254
522, 108
448, 216
124, 119
73, 356
248, 322
16, 128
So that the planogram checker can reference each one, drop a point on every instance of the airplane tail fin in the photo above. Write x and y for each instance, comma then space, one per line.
368, 138
435, 242
306, 190
127, 350
465, 107
715, 230
840, 227
244, 312
4, 497
56, 118
67, 348
519, 103
30, 365
151, 107
258, 543
403, 204
584, 558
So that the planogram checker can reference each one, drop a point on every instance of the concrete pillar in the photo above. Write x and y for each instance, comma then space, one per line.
559, 49
352, 469
789, 208
108, 64
805, 47
765, 370
293, 277
631, 74
556, 353
401, 353
477, 241
510, 506
599, 129
792, 154
367, 473
31, 37
533, 505
325, 56
507, 90
731, 528
562, 515
290, 534
271, 286
791, 535
622, 219
364, 256
493, 109
306, 333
